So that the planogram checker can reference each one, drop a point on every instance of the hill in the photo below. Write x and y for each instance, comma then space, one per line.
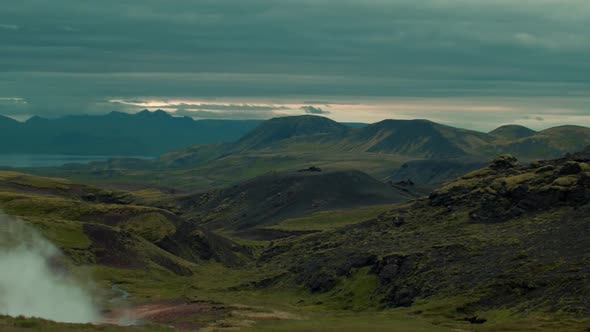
434, 172
5, 121
430, 153
416, 138
72, 212
279, 129
511, 132
142, 134
496, 246
277, 196
549, 143
501, 248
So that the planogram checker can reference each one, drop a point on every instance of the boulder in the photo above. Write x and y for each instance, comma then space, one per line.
504, 162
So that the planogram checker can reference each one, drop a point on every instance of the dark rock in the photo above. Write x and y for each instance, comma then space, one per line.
545, 169
389, 268
311, 169
570, 168
355, 262
581, 156
475, 320
405, 183
399, 221
401, 297
504, 162
320, 282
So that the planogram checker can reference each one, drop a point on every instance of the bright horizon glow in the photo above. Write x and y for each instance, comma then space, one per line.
481, 114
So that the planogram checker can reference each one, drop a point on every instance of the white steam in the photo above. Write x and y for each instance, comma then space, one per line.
29, 286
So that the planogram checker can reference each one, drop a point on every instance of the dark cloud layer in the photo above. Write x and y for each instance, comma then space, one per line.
73, 56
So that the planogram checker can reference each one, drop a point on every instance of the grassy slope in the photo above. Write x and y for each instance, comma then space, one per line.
524, 271
355, 300
292, 143
330, 220
228, 170
57, 217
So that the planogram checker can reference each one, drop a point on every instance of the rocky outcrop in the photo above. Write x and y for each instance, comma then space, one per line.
506, 190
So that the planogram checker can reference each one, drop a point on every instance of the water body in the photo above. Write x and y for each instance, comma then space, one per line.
50, 160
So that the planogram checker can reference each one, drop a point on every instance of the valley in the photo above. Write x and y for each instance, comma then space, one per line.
294, 166
500, 248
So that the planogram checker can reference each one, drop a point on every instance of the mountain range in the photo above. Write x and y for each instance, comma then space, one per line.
425, 152
142, 134
154, 133
416, 139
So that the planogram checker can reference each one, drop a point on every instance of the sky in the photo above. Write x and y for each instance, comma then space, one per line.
469, 63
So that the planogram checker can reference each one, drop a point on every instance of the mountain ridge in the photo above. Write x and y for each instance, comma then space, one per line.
117, 133
419, 139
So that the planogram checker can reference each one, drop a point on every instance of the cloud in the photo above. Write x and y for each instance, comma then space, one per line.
314, 110
72, 56
203, 114
228, 107
209, 110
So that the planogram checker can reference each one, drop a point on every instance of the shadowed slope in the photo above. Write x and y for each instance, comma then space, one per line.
274, 197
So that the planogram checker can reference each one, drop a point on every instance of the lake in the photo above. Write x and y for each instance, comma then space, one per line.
50, 160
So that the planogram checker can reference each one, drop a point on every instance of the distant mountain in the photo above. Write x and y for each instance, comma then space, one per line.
4, 120
145, 133
279, 129
411, 138
511, 132
431, 153
417, 138
549, 143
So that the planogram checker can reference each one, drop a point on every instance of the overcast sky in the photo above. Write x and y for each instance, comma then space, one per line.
468, 63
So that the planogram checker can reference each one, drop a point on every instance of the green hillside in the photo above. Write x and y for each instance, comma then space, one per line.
501, 248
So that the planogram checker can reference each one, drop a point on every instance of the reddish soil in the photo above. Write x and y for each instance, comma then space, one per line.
183, 316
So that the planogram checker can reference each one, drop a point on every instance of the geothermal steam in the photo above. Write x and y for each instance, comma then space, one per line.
29, 286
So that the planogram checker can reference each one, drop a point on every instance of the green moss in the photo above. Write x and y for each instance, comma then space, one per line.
34, 181
151, 226
27, 205
512, 182
566, 181
328, 220
343, 322
63, 233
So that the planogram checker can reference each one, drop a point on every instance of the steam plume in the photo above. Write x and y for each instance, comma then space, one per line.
29, 286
